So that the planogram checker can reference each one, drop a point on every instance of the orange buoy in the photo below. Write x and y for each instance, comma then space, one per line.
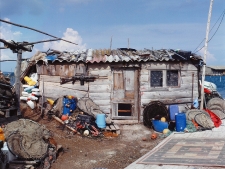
2, 137
64, 117
154, 136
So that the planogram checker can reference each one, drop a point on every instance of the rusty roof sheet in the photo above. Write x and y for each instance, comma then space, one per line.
116, 55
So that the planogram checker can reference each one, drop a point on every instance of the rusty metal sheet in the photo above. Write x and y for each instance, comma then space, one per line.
50, 70
63, 70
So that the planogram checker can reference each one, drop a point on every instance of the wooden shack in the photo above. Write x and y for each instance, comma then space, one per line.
127, 79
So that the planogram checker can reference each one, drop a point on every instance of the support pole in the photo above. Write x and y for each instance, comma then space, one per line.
17, 80
205, 54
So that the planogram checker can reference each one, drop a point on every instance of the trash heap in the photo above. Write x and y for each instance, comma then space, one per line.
7, 97
30, 91
87, 120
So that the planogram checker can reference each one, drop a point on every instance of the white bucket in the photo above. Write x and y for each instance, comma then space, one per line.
30, 104
23, 98
25, 94
25, 86
35, 90
32, 97
36, 93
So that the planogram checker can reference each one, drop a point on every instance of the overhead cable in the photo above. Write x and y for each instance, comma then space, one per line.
36, 30
214, 32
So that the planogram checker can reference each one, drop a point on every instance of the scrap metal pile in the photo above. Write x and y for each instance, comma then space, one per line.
7, 96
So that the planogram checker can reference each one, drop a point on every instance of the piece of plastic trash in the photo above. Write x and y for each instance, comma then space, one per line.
36, 93
30, 103
50, 101
28, 88
29, 81
195, 103
23, 98
32, 97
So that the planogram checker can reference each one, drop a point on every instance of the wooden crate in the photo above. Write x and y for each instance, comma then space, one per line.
113, 128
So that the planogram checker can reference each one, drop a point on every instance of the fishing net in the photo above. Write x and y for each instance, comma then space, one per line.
89, 107
217, 106
154, 109
201, 117
26, 139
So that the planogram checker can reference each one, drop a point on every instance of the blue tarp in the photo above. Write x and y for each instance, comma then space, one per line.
69, 105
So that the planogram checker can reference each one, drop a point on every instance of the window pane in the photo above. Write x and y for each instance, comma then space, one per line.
172, 77
156, 78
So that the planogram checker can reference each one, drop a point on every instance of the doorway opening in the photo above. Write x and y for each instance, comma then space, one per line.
124, 109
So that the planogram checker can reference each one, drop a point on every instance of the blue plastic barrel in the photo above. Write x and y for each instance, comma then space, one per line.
173, 109
180, 122
100, 120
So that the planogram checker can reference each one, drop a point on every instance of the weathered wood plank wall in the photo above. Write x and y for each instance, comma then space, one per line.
100, 89
166, 94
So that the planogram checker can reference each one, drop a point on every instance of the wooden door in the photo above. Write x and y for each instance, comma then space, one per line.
125, 94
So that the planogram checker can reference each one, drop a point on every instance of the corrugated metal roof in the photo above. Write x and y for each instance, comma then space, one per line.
116, 55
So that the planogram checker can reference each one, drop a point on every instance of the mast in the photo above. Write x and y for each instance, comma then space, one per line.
205, 54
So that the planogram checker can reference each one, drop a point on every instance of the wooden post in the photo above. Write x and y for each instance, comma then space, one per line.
205, 53
17, 80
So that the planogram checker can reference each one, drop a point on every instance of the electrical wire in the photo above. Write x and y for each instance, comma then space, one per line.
222, 15
210, 30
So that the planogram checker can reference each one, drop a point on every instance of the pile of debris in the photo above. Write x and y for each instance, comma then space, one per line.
80, 116
8, 101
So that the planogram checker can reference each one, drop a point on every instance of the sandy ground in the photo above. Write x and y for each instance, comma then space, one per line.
105, 152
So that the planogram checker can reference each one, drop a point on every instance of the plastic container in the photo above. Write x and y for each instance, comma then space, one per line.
28, 88
25, 94
23, 98
100, 120
195, 103
30, 104
34, 77
32, 97
159, 126
29, 81
25, 86
36, 93
180, 122
173, 109
35, 90
50, 101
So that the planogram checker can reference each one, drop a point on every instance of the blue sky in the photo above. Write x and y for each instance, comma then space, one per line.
157, 24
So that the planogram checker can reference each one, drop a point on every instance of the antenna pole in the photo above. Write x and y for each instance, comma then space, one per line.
205, 54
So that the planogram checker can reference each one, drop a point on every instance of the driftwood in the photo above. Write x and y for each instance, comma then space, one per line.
60, 121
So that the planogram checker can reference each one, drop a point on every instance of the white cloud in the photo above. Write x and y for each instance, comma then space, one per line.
70, 35
7, 33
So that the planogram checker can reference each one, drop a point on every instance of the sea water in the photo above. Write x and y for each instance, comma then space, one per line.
219, 81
